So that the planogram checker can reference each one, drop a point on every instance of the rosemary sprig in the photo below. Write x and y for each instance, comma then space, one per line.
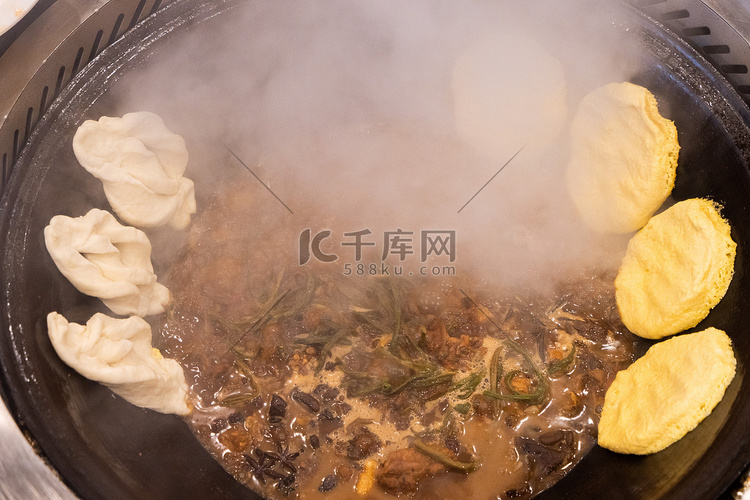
429, 381
444, 459
468, 384
542, 388
391, 388
395, 296
420, 366
559, 366
463, 408
367, 318
270, 295
246, 353
537, 396
418, 374
496, 371
235, 400
262, 320
299, 298
389, 300
448, 425
267, 302
325, 351
244, 368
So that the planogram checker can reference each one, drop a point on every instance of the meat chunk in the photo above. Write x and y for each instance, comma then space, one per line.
363, 444
236, 439
449, 351
404, 468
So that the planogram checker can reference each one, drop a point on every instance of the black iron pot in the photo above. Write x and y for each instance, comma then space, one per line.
104, 447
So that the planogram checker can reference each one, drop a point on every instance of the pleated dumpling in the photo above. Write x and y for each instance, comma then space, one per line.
118, 353
105, 259
141, 166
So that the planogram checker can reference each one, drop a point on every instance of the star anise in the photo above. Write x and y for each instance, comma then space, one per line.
262, 465
284, 458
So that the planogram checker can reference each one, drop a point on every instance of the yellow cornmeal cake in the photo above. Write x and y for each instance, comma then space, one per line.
675, 269
666, 393
623, 158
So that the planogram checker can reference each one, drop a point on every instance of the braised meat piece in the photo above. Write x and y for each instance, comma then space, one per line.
403, 469
363, 443
447, 350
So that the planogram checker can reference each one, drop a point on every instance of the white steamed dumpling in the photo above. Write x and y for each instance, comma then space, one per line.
118, 353
141, 166
105, 259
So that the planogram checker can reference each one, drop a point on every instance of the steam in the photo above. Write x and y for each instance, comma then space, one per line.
348, 110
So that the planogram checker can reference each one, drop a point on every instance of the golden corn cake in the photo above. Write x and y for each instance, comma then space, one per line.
666, 393
623, 158
675, 269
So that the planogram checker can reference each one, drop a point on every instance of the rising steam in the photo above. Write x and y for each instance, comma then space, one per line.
382, 115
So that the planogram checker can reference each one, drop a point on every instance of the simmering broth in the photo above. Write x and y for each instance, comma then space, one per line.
308, 382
